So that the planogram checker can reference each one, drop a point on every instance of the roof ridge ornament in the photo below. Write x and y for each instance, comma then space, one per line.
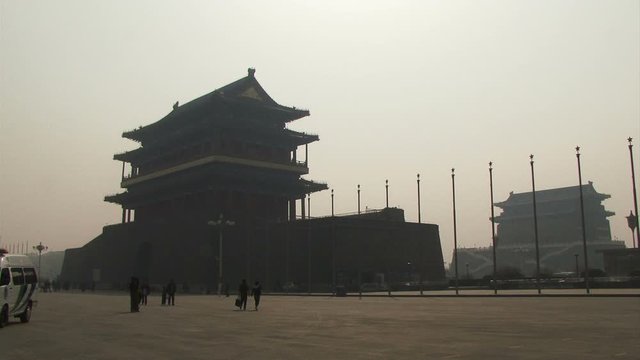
251, 72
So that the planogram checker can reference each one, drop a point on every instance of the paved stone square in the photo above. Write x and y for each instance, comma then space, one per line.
99, 326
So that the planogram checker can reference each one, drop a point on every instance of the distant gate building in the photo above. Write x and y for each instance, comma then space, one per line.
230, 154
559, 232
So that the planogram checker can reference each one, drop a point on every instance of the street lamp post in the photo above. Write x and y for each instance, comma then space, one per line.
309, 280
635, 196
584, 231
40, 248
358, 199
535, 224
220, 224
455, 230
493, 230
632, 221
419, 216
386, 187
332, 213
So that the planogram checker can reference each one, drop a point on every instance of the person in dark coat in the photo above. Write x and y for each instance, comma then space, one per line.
164, 295
256, 292
171, 293
243, 290
144, 291
134, 294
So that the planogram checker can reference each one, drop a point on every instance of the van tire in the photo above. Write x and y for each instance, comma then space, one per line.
26, 315
4, 316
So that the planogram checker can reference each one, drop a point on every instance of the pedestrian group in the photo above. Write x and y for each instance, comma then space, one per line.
139, 294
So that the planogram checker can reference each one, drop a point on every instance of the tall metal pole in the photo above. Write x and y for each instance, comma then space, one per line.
455, 230
493, 230
635, 196
40, 248
386, 186
286, 253
220, 277
584, 230
309, 258
309, 206
358, 198
332, 213
535, 225
421, 248
632, 221
419, 216
221, 223
267, 279
333, 255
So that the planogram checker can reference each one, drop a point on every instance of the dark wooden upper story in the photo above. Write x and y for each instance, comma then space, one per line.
243, 102
206, 143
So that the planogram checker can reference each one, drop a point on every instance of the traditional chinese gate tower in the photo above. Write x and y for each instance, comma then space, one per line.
228, 152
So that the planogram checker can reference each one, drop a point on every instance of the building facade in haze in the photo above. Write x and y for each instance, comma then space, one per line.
228, 152
559, 232
229, 155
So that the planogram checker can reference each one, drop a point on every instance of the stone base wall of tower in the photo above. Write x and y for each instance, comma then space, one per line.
311, 255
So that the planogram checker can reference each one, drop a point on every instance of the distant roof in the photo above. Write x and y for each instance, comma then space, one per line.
245, 91
549, 195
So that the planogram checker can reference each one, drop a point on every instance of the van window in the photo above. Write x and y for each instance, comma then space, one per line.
4, 277
30, 276
18, 276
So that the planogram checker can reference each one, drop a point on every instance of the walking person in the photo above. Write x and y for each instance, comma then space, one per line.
164, 295
145, 293
134, 294
171, 293
243, 291
256, 292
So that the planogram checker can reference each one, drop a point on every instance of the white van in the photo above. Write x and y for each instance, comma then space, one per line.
18, 285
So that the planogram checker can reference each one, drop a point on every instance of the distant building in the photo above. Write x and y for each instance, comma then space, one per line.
621, 262
559, 232
229, 153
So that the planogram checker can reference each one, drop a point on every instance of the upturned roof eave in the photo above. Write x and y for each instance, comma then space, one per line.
543, 196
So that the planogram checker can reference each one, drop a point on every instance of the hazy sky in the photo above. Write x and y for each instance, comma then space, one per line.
395, 88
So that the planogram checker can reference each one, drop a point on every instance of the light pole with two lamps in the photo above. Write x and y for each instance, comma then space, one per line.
221, 223
40, 248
